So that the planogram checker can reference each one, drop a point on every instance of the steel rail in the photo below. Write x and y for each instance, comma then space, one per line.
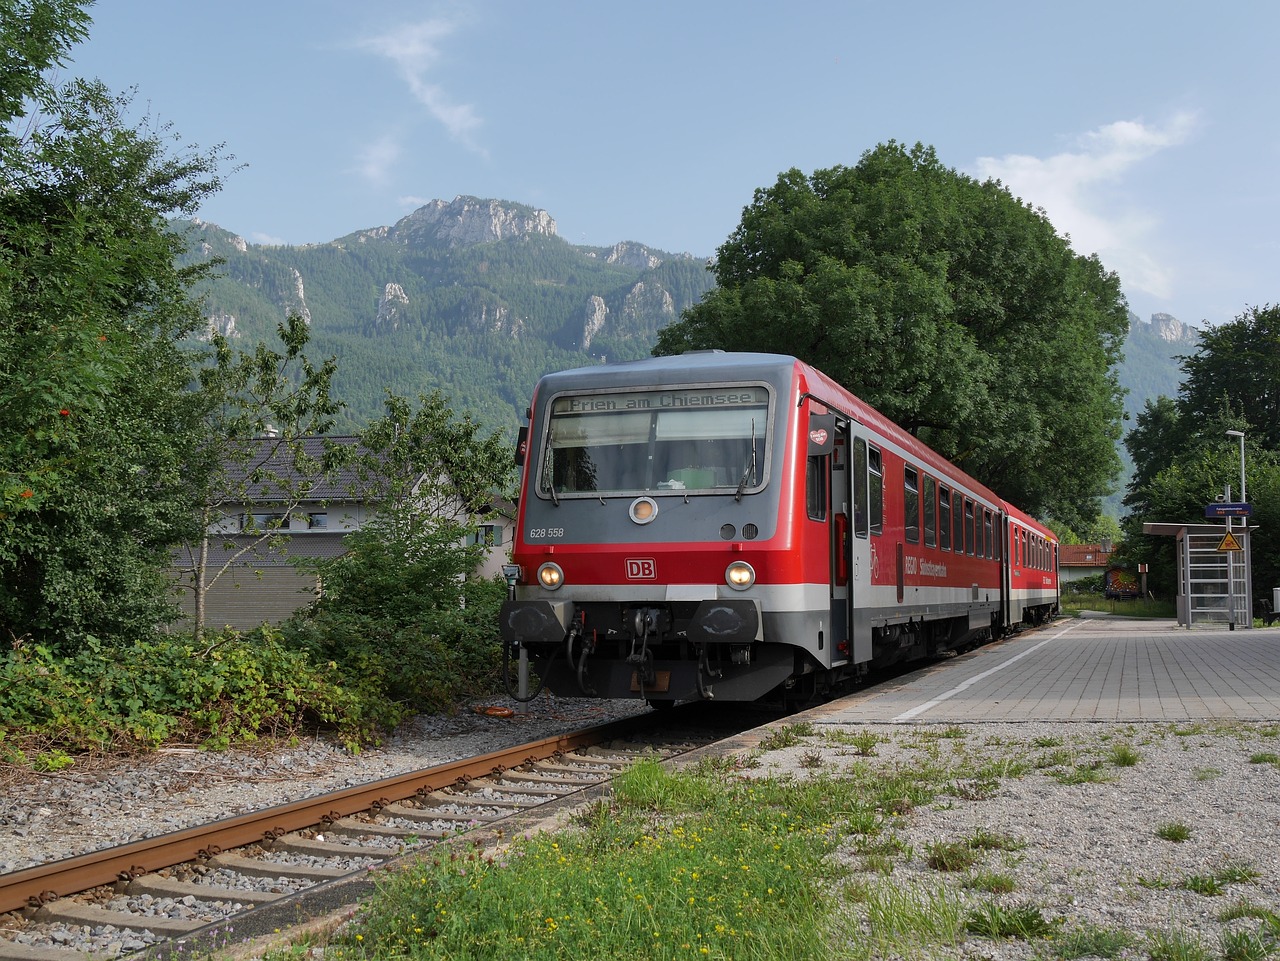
32, 887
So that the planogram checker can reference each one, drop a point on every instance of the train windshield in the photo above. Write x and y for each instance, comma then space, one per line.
709, 439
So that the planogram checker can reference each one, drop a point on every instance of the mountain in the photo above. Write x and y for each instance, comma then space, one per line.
479, 298
1151, 368
475, 297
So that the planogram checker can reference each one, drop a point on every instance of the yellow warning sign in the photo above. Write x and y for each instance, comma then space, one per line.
1229, 543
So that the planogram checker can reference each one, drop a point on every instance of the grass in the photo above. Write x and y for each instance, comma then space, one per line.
727, 859
1173, 831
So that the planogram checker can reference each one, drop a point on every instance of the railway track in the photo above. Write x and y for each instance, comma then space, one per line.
258, 873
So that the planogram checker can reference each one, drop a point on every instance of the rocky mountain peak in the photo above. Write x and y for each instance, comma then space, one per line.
465, 221
1171, 329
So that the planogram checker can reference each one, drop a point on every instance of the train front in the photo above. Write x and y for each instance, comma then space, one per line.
650, 494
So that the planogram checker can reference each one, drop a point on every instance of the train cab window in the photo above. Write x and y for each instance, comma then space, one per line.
815, 488
968, 527
930, 512
911, 504
875, 500
944, 518
859, 487
674, 439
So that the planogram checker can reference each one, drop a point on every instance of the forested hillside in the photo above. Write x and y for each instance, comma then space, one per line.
477, 298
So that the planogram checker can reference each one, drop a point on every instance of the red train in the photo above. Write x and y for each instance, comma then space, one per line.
740, 526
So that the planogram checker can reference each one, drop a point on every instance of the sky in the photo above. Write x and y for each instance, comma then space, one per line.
1149, 134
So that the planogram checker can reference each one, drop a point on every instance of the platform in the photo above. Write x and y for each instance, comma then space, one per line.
1098, 668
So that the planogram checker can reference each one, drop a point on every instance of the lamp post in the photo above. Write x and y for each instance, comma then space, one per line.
1230, 582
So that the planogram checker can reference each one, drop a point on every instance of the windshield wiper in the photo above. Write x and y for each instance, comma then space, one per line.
751, 464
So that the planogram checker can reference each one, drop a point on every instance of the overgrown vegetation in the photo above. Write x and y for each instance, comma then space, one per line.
726, 860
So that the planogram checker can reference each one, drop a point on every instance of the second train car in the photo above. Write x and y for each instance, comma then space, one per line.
739, 526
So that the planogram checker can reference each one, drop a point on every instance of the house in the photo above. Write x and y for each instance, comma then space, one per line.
274, 518
1078, 561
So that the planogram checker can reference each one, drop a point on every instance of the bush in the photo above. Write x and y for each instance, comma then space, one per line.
234, 688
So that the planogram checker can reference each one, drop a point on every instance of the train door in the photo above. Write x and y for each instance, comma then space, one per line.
862, 507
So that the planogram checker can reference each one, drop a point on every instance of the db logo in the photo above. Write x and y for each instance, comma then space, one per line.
641, 569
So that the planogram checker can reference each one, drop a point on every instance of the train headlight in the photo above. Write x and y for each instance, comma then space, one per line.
550, 576
739, 575
643, 510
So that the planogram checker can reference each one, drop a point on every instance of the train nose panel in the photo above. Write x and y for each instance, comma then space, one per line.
533, 622
726, 621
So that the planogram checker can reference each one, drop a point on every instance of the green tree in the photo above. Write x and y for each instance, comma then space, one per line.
1183, 458
1238, 361
402, 610
99, 420
260, 408
946, 303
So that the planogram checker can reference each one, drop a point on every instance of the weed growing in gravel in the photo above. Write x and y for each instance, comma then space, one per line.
1208, 773
1124, 755
863, 742
1092, 941
788, 735
1175, 944
1090, 772
1264, 757
1046, 741
951, 856
991, 882
1247, 946
902, 919
994, 920
1211, 885
1173, 831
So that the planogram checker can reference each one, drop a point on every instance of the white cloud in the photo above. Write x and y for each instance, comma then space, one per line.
1085, 194
266, 240
376, 159
415, 52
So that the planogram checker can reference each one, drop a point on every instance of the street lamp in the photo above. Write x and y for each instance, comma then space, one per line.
1230, 581
1240, 434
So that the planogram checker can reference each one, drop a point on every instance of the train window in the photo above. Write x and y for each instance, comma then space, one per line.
815, 488
859, 487
875, 481
978, 545
911, 504
957, 522
968, 526
944, 518
930, 512
665, 439
988, 533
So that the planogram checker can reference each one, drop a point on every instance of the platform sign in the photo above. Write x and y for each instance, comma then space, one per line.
1228, 510
1229, 543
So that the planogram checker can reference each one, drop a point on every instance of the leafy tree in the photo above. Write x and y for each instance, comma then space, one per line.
260, 406
946, 303
99, 421
1238, 361
401, 610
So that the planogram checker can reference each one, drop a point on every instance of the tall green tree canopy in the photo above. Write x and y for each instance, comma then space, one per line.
1183, 457
99, 422
945, 302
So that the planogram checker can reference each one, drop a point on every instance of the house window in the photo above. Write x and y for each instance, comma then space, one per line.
487, 535
265, 522
317, 521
